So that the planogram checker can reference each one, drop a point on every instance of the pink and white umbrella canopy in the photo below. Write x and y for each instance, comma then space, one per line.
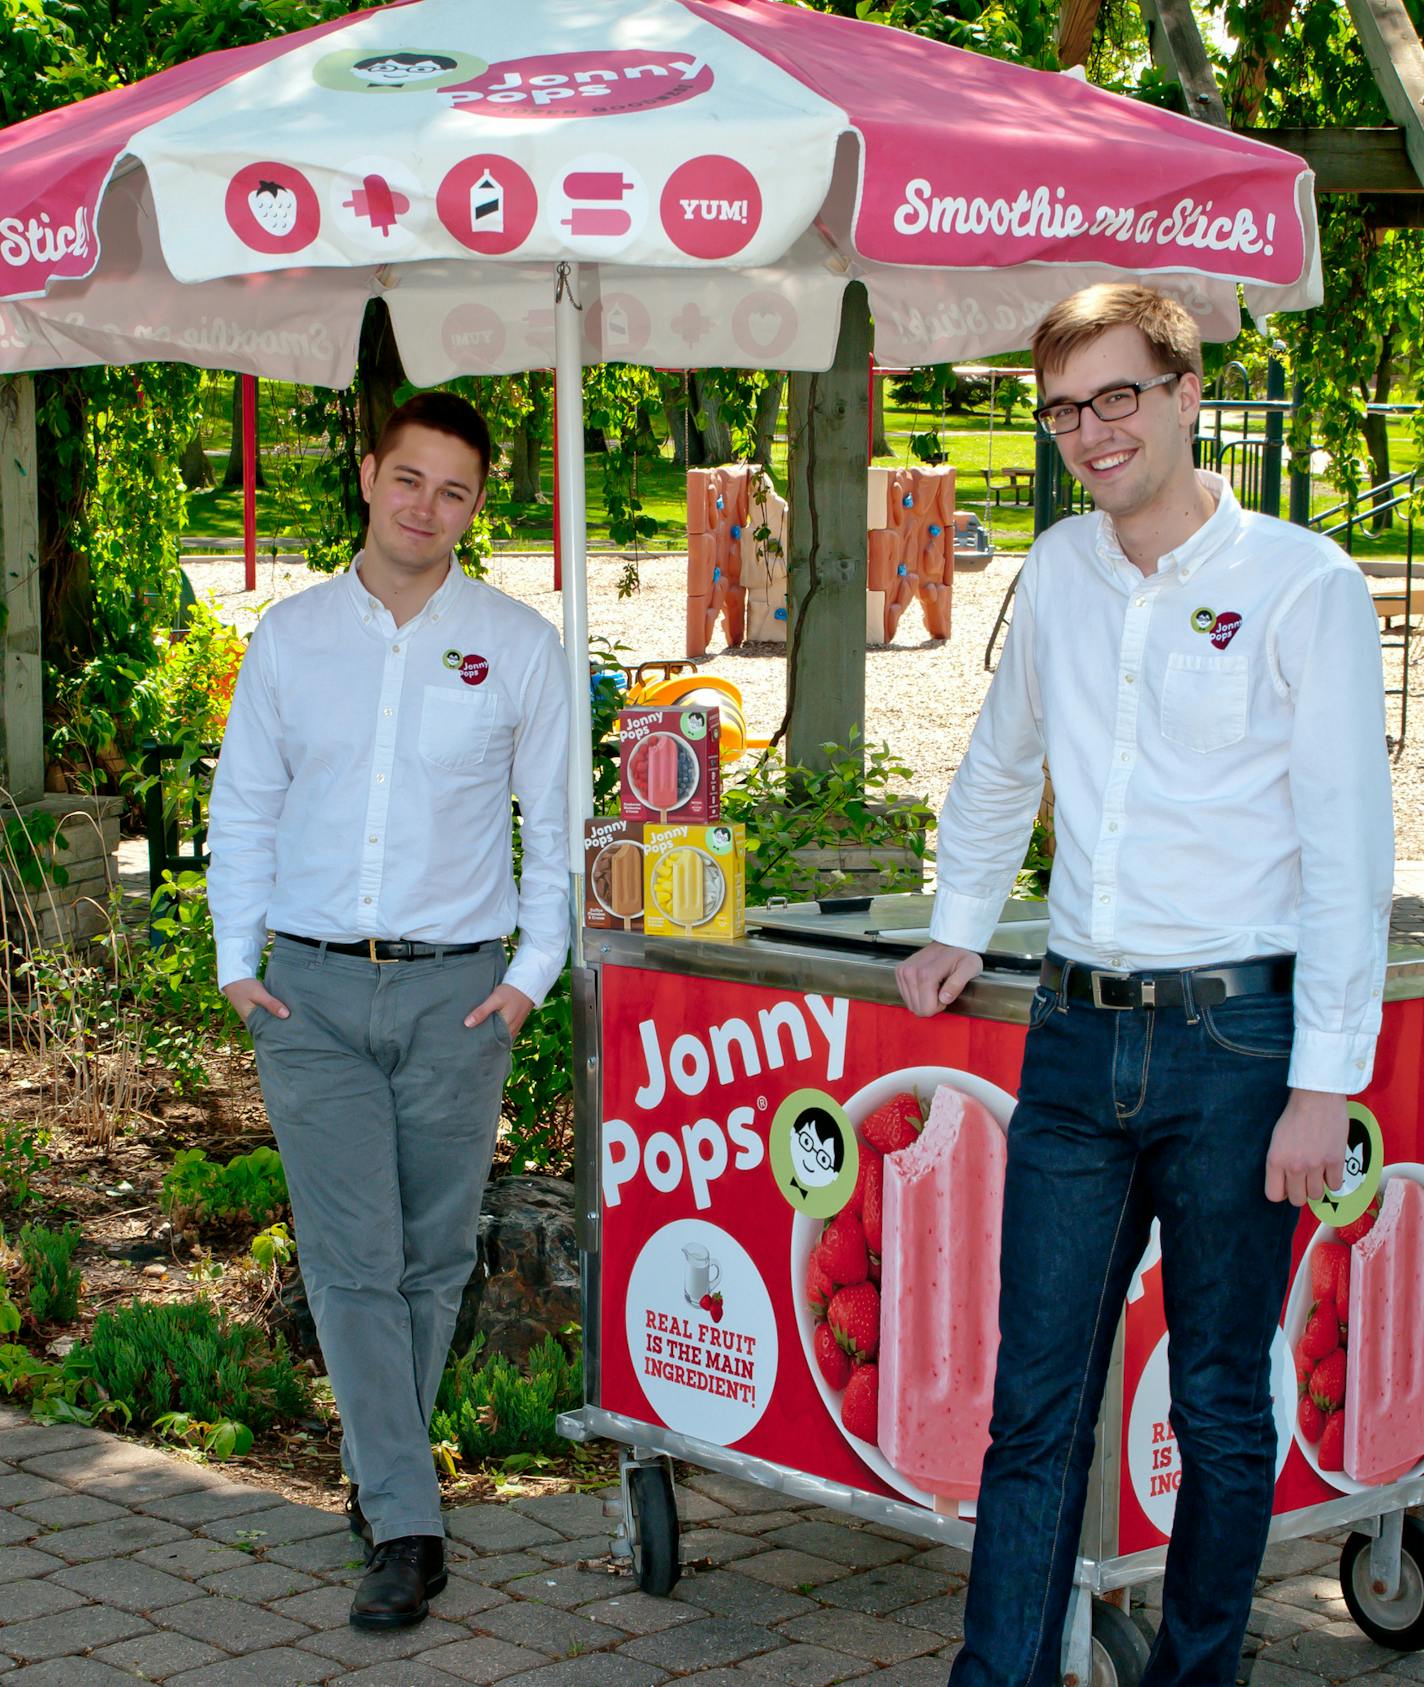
714, 171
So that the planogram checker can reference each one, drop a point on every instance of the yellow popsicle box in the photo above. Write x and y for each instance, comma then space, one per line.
695, 881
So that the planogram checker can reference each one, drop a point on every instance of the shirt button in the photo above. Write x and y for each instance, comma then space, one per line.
1142, 603
366, 900
1112, 827
1127, 679
373, 838
1105, 897
1359, 1065
365, 617
388, 712
1123, 756
395, 650
380, 778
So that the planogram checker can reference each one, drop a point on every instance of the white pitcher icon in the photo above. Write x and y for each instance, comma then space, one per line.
703, 1273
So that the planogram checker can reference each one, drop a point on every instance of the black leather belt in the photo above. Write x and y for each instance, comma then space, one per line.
1262, 975
381, 949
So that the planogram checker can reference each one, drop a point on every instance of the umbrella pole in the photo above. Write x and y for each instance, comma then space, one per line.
569, 479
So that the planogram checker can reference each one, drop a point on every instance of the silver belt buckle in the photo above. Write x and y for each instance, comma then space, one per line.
1097, 982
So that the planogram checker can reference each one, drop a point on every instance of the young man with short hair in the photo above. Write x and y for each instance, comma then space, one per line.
1206, 687
382, 723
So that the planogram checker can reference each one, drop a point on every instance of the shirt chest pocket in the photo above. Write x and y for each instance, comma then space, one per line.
1204, 701
455, 728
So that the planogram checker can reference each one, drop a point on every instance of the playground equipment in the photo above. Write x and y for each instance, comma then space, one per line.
736, 553
736, 556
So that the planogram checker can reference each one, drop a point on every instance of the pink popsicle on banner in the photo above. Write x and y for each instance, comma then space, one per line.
1384, 1381
939, 1334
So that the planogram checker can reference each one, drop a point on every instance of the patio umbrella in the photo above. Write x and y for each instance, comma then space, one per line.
688, 183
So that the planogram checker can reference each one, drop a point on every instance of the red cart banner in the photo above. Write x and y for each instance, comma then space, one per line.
742, 1128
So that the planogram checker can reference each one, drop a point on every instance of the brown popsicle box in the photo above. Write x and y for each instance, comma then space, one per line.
671, 766
613, 874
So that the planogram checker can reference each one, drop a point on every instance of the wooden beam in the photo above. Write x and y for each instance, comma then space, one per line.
1348, 160
21, 705
1396, 57
1178, 51
1077, 19
828, 415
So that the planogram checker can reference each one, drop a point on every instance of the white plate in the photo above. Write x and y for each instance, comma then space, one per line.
806, 1232
1298, 1305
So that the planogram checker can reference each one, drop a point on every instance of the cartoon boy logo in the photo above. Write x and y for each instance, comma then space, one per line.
398, 70
694, 724
814, 1154
719, 840
1364, 1167
817, 1150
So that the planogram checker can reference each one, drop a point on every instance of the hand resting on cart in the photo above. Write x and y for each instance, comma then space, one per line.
934, 976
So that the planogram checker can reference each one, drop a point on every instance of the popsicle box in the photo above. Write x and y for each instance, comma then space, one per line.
613, 874
695, 881
670, 762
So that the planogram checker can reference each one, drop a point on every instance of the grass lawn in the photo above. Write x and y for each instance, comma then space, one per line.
968, 444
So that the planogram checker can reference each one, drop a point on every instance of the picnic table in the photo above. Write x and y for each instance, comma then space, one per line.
1017, 482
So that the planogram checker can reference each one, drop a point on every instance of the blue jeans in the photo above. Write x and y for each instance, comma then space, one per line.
1123, 1116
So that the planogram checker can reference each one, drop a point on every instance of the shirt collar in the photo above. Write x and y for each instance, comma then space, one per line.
437, 603
1215, 533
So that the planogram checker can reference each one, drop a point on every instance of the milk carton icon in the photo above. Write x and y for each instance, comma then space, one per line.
487, 205
616, 330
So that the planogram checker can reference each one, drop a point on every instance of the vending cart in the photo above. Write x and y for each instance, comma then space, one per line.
724, 1095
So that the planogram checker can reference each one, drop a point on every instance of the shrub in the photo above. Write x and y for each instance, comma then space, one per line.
490, 1411
22, 1154
250, 1187
47, 1258
856, 802
189, 1357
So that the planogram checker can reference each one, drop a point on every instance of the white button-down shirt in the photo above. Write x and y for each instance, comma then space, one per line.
1215, 736
364, 785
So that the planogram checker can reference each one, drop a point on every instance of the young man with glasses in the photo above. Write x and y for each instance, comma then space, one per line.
1205, 686
382, 722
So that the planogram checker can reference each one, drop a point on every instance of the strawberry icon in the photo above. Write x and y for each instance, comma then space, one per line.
274, 207
715, 1309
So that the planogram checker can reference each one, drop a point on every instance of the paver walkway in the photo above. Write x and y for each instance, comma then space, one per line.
118, 1563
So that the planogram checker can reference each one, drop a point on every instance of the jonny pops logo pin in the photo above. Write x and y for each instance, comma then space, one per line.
473, 669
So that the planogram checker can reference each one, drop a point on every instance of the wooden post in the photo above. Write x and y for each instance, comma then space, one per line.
21, 707
1177, 49
1396, 57
1077, 19
826, 573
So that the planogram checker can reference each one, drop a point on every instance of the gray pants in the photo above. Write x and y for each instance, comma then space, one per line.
384, 1107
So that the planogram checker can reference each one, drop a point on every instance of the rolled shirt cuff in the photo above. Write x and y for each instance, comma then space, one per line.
965, 922
238, 957
534, 972
1340, 1062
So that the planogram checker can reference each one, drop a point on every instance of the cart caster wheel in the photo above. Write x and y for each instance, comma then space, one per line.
1119, 1648
655, 1561
1397, 1622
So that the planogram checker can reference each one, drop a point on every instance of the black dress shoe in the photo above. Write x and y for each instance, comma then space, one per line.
405, 1575
356, 1522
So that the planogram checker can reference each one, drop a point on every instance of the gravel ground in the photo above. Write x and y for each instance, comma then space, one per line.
931, 741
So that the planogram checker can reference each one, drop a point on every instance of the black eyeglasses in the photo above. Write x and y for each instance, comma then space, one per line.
1113, 404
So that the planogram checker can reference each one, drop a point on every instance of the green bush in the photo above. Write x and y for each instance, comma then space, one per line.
191, 1358
250, 1187
489, 1410
22, 1154
48, 1258
857, 802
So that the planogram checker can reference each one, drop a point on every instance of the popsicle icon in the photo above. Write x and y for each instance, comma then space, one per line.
1384, 1382
660, 773
939, 1297
625, 893
688, 902
598, 219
